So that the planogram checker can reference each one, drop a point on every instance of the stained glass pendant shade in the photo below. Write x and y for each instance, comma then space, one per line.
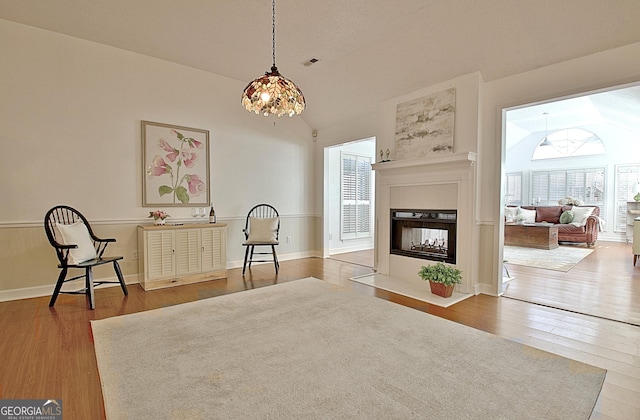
273, 93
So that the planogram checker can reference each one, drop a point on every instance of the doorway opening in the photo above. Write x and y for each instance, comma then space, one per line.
591, 158
349, 202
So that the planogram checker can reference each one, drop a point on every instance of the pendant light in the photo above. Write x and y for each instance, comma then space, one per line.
545, 141
273, 93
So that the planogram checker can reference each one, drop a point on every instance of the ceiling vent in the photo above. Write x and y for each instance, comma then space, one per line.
310, 62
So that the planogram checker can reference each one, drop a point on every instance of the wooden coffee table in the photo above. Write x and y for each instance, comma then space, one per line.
538, 235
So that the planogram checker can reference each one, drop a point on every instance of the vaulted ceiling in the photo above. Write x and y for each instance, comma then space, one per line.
368, 51
618, 107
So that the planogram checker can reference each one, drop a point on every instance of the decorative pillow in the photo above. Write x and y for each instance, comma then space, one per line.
529, 215
263, 230
581, 214
77, 234
566, 217
550, 214
510, 214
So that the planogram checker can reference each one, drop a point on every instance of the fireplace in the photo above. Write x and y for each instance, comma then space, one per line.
425, 234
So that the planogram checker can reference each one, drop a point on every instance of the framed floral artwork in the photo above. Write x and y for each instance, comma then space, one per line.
176, 165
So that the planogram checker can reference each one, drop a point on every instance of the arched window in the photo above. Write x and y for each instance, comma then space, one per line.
568, 143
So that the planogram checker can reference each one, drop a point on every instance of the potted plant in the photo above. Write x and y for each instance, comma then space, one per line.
442, 278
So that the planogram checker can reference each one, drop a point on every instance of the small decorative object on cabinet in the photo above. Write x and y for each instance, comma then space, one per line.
212, 215
175, 255
159, 217
442, 278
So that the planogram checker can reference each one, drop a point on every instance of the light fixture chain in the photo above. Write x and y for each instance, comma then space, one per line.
273, 93
273, 30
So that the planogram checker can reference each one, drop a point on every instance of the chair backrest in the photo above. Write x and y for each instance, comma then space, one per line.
64, 215
261, 211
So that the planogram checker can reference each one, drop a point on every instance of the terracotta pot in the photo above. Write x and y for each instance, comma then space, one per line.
440, 289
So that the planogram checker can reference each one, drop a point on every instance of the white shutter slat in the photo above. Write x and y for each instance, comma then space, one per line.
355, 192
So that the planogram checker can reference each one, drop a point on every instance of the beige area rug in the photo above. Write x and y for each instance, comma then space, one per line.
563, 258
415, 288
311, 350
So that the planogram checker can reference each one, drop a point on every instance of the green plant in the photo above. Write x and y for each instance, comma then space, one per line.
440, 273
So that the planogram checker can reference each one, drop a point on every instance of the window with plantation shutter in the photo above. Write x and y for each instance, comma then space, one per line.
513, 191
355, 191
626, 176
548, 187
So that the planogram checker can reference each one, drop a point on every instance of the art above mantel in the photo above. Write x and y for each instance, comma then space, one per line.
425, 126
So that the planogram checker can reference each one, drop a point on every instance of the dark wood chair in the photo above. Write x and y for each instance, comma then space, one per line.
261, 228
66, 234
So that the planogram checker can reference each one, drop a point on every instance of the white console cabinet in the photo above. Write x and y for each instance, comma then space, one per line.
633, 211
174, 255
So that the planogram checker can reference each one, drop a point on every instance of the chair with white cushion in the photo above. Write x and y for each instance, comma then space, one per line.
261, 228
76, 246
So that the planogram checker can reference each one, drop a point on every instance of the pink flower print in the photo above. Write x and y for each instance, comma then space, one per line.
189, 158
159, 166
196, 186
173, 152
174, 155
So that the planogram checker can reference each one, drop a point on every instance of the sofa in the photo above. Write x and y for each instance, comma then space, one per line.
575, 231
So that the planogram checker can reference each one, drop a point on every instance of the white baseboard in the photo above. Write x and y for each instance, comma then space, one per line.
485, 289
285, 257
47, 290
336, 251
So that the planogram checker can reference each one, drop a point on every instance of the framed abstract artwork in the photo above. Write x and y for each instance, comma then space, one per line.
424, 126
175, 161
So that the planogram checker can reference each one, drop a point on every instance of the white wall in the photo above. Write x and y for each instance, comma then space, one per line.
70, 131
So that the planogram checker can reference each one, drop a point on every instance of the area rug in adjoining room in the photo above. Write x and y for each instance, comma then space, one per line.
563, 258
309, 349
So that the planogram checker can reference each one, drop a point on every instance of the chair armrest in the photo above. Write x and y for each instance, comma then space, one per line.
101, 245
96, 239
591, 229
62, 246
592, 223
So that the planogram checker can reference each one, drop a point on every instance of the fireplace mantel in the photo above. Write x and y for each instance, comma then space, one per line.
434, 162
438, 182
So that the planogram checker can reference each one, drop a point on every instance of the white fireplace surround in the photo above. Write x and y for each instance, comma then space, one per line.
441, 182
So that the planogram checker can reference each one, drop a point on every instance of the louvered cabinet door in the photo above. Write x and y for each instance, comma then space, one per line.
183, 254
214, 249
188, 251
159, 254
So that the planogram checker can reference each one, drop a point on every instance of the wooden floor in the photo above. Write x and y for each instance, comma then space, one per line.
48, 353
604, 284
359, 257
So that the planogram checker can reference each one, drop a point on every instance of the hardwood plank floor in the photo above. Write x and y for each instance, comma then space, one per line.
48, 353
604, 284
358, 257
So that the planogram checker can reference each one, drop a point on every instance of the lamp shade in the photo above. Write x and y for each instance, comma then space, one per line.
273, 94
